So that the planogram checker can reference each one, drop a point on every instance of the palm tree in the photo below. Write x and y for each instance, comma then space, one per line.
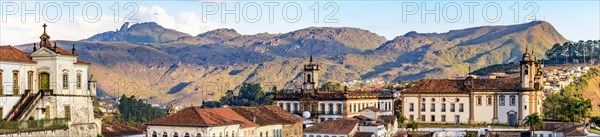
412, 125
400, 119
534, 121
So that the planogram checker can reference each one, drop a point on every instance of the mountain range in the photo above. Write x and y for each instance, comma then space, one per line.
167, 66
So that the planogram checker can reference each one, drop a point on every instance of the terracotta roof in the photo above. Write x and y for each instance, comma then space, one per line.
197, 117
267, 115
10, 53
458, 85
340, 126
569, 129
374, 109
82, 62
63, 51
363, 134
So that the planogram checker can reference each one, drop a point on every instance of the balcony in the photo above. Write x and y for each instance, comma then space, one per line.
8, 127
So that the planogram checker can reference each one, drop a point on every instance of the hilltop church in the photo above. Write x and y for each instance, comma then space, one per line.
474, 100
49, 85
324, 105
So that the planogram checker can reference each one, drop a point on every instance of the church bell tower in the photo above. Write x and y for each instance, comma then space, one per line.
310, 83
528, 69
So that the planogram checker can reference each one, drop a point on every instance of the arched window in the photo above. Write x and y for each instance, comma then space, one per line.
154, 134
186, 135
65, 80
175, 134
198, 135
78, 80
30, 80
1, 84
165, 134
308, 78
15, 82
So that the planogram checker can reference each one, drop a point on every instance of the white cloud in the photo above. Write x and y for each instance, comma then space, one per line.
15, 32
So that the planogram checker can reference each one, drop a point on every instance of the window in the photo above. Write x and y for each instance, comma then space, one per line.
78, 80
423, 107
443, 99
165, 134
198, 135
154, 134
513, 100
501, 101
432, 99
305, 108
281, 105
339, 108
322, 108
175, 134
443, 107
65, 84
186, 135
30, 80
288, 107
489, 100
67, 112
443, 118
312, 109
296, 107
331, 109
423, 118
461, 107
15, 82
478, 100
411, 107
432, 107
1, 84
452, 107
412, 118
432, 118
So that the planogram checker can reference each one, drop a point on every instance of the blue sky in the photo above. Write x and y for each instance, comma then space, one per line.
575, 20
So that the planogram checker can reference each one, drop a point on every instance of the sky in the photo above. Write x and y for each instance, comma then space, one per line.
21, 21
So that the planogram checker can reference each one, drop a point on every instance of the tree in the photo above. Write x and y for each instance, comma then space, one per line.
134, 112
470, 134
211, 104
412, 125
249, 95
534, 121
400, 118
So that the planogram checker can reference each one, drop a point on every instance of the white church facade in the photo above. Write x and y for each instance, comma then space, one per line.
506, 100
51, 85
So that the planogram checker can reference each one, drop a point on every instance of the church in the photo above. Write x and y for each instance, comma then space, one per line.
471, 100
49, 85
335, 105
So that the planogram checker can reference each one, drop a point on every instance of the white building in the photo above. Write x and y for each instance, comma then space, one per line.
331, 105
261, 121
50, 84
477, 100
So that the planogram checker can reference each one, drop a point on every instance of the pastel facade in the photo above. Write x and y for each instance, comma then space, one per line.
477, 100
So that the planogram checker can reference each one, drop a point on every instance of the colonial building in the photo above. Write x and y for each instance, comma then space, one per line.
49, 85
260, 121
330, 105
368, 124
477, 100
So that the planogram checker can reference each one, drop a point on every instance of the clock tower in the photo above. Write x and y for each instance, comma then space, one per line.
310, 83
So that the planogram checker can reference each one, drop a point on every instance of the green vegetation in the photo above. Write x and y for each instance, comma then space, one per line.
470, 134
211, 104
495, 68
534, 121
32, 125
570, 105
574, 52
400, 118
332, 87
133, 112
249, 95
412, 125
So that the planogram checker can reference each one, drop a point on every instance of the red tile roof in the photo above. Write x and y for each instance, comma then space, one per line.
267, 115
10, 53
340, 126
458, 85
374, 109
207, 117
